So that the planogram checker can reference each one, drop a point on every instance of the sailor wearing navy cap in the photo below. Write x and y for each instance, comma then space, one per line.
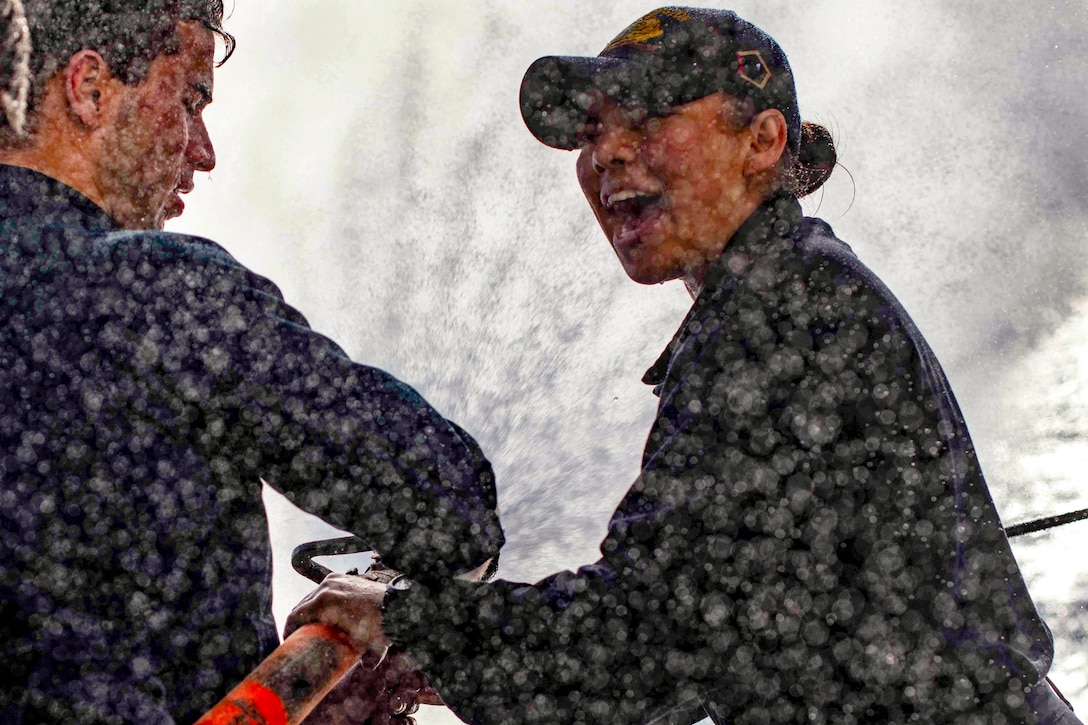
811, 539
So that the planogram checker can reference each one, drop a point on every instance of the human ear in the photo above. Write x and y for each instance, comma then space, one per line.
86, 79
767, 141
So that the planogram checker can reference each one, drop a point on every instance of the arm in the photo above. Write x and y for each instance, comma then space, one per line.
771, 555
260, 395
386, 681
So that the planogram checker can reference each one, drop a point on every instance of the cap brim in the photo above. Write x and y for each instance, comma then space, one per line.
556, 97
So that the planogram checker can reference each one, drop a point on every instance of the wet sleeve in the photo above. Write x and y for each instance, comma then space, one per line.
89, 697
265, 397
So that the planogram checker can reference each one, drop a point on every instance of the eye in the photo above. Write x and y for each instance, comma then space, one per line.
195, 98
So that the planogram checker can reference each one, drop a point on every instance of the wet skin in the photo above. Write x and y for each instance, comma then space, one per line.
669, 191
154, 138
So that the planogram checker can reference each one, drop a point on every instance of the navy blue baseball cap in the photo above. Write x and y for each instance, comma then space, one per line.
666, 58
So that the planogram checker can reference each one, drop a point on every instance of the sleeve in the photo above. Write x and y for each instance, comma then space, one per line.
228, 364
88, 697
784, 554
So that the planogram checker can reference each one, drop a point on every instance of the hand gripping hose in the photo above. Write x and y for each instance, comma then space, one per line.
291, 681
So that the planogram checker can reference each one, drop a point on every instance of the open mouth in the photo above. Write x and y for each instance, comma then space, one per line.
635, 212
184, 186
175, 206
629, 203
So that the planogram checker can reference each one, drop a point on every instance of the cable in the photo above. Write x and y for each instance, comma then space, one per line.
1049, 522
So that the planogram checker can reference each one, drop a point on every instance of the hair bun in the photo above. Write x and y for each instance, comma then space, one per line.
816, 159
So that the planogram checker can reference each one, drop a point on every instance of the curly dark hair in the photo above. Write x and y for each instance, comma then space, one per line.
128, 34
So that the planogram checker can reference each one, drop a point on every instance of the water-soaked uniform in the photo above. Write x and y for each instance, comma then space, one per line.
810, 541
148, 383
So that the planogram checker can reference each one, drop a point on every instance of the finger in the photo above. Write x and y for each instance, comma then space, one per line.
403, 704
294, 620
304, 612
430, 696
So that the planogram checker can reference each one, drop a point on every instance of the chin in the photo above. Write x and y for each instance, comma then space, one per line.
654, 270
648, 274
173, 208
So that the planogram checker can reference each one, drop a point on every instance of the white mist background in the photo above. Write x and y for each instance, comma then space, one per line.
372, 162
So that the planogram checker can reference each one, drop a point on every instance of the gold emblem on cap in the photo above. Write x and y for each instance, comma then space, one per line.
742, 71
645, 28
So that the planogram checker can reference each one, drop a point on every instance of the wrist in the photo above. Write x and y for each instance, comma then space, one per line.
396, 588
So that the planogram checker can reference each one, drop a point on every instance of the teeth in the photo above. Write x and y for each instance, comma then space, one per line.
621, 196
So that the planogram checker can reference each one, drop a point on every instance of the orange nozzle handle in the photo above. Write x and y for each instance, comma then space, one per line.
290, 682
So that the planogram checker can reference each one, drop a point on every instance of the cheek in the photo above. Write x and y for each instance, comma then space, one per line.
708, 179
707, 188
171, 130
167, 123
672, 149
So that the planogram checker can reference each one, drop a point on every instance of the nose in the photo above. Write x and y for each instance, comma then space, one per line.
615, 147
201, 153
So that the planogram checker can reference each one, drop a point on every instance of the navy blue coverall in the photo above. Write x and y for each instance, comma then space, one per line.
148, 384
811, 539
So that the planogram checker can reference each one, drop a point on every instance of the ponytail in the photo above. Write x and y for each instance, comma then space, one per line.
815, 161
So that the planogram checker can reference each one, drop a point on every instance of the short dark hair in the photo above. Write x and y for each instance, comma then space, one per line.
128, 34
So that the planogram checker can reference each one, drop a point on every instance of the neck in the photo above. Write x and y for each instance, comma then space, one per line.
49, 161
694, 278
767, 211
60, 149
743, 208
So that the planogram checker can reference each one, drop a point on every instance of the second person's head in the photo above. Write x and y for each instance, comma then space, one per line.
686, 123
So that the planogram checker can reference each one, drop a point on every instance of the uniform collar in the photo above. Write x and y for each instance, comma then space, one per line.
775, 220
28, 193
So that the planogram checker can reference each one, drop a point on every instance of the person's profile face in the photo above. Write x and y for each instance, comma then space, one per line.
665, 190
156, 139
